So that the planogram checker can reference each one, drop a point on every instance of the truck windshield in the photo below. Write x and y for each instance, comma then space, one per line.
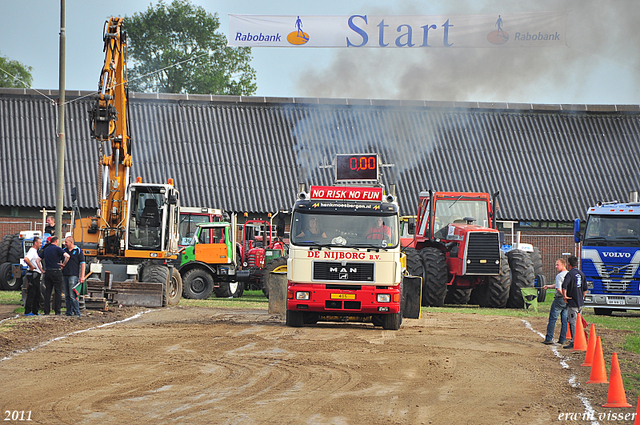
456, 210
310, 229
612, 230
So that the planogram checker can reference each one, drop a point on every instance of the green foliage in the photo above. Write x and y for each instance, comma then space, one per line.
14, 74
175, 49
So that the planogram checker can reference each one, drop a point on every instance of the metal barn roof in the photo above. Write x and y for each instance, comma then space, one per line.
248, 153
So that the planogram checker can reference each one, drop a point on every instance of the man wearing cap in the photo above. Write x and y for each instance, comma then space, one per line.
54, 258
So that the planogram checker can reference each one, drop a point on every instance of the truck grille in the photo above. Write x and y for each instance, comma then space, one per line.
350, 272
618, 286
482, 253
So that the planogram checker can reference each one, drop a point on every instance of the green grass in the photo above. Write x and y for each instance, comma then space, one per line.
10, 297
249, 300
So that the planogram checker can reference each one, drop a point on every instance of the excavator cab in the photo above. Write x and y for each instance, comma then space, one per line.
153, 218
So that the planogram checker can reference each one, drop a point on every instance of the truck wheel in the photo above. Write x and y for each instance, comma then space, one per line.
156, 273
4, 248
521, 277
174, 290
295, 319
434, 277
15, 250
228, 289
197, 284
392, 322
266, 278
239, 290
495, 293
603, 311
458, 295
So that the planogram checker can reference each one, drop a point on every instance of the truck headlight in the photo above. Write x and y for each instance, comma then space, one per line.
383, 298
302, 295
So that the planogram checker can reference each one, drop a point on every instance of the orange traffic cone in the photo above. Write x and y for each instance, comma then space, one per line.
616, 396
579, 340
637, 421
568, 333
588, 360
598, 370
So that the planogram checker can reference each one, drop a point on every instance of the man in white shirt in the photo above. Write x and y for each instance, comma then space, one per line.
32, 260
558, 306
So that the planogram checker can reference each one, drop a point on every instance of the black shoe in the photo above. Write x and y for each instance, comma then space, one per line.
564, 341
545, 342
569, 345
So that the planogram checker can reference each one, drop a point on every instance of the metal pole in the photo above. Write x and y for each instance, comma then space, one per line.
61, 141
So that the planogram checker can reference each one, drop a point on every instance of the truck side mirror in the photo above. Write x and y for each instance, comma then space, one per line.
173, 199
576, 230
411, 226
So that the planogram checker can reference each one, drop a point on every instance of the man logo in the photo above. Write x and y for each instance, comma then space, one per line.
498, 36
298, 37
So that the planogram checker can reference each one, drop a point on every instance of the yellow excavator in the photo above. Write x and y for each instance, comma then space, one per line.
130, 242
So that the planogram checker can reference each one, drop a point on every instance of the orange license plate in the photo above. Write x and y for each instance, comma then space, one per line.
343, 296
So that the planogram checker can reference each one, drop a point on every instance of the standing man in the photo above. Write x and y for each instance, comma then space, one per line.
32, 260
573, 292
558, 306
54, 259
50, 228
71, 273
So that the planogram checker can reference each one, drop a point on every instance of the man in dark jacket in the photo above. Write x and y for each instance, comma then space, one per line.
54, 258
573, 291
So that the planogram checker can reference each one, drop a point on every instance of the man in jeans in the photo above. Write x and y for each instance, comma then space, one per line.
72, 272
573, 291
54, 259
558, 306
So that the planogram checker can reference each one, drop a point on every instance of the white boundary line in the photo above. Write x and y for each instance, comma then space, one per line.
9, 318
572, 379
15, 353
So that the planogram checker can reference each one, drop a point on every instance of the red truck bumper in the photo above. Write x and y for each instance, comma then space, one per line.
366, 300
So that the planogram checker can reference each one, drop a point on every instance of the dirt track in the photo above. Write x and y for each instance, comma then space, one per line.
199, 365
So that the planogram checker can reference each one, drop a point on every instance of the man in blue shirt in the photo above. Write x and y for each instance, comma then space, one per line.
54, 258
72, 276
573, 291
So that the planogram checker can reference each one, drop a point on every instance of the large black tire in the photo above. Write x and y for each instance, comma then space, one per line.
414, 262
392, 322
265, 279
457, 295
542, 293
495, 292
239, 291
434, 277
229, 289
4, 248
197, 284
156, 273
5, 276
15, 250
521, 277
295, 319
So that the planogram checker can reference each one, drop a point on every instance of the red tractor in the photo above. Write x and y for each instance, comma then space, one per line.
456, 249
260, 248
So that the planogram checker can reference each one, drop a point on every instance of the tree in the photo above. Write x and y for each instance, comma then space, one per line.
14, 74
175, 49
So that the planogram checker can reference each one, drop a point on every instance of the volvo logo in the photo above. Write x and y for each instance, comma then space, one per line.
617, 254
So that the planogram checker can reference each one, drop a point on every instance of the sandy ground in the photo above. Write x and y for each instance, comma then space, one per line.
224, 366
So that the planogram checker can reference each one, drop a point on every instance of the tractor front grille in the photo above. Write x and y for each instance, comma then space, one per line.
482, 254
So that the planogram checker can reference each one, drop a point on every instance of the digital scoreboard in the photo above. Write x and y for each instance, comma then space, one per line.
357, 167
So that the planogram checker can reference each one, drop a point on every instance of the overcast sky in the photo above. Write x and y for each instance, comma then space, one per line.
600, 65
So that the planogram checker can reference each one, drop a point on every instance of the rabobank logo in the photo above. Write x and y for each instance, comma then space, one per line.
498, 36
298, 37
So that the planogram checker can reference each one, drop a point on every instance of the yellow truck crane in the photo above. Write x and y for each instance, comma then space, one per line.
134, 235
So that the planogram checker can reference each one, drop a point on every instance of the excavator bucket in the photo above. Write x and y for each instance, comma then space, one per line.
102, 294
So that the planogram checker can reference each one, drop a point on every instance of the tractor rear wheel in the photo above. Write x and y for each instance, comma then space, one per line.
434, 283
4, 248
521, 277
15, 250
197, 284
458, 295
495, 293
414, 262
267, 276
6, 276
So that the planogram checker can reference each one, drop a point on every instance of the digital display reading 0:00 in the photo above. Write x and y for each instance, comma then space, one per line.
357, 167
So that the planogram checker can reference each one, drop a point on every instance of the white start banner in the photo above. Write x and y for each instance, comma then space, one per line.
535, 29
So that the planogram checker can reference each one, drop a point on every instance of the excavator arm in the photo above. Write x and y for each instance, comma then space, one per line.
108, 120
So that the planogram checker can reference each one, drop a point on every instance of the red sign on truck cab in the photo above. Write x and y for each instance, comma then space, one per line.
346, 193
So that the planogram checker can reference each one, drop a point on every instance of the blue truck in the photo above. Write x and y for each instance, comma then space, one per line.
611, 256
